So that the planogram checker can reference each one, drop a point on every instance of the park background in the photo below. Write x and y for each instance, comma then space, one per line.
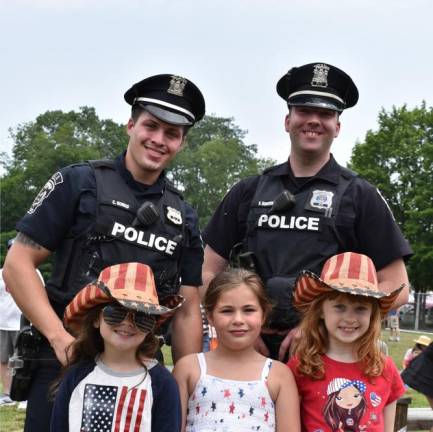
67, 63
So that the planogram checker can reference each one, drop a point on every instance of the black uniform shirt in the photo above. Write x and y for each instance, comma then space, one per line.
364, 221
66, 207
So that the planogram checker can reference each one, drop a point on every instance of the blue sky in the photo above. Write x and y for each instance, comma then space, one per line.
63, 54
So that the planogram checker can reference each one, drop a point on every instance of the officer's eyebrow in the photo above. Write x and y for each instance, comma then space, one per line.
23, 239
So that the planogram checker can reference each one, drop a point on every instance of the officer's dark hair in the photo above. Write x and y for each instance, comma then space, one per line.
137, 110
89, 344
233, 278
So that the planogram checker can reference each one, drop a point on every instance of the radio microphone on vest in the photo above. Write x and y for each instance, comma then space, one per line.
284, 201
147, 214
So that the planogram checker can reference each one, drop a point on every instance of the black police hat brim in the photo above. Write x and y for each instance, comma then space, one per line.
166, 115
316, 102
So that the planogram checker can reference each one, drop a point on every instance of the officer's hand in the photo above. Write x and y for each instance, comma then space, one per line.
287, 342
61, 344
260, 347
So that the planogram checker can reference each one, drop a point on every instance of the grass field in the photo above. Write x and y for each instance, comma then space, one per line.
12, 420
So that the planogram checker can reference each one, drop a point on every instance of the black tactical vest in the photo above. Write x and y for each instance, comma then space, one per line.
287, 241
117, 237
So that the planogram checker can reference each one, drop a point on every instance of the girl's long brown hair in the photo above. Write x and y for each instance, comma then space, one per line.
89, 344
314, 340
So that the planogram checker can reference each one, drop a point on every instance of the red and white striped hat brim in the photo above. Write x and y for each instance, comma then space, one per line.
348, 272
130, 284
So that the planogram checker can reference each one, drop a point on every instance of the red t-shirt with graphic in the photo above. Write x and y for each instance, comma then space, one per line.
346, 400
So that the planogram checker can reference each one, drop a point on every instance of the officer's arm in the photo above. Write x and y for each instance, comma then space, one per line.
29, 293
213, 265
391, 277
187, 325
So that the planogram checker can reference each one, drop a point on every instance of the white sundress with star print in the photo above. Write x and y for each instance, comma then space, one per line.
224, 405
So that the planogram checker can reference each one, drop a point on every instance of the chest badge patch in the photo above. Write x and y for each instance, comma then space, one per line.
173, 215
322, 199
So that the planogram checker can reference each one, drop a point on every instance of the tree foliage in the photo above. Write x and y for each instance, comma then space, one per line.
41, 147
212, 160
398, 159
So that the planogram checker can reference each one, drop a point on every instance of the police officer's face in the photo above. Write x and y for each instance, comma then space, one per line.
152, 145
312, 130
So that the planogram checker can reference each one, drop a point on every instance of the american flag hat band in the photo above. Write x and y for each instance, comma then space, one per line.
130, 284
350, 273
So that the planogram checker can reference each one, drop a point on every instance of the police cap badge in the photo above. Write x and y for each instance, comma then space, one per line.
170, 98
318, 85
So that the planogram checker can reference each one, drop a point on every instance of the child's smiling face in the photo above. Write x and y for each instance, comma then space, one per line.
346, 318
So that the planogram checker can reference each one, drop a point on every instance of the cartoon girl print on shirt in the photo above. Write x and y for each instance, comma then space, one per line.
346, 404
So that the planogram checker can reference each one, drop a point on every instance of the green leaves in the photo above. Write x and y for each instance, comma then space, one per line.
398, 159
214, 158
55, 139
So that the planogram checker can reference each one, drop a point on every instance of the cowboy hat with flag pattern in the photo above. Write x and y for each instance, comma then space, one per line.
130, 284
350, 273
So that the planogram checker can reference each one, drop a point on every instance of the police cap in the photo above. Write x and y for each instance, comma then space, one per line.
318, 85
170, 98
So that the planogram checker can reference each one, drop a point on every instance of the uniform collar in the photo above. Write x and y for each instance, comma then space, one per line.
155, 188
329, 172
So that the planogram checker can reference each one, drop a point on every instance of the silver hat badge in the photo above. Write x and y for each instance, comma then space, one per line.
177, 85
320, 77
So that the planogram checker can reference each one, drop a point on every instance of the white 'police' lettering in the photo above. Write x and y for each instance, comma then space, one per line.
293, 223
133, 235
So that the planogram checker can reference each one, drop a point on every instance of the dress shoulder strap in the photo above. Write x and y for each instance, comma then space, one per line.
202, 363
266, 369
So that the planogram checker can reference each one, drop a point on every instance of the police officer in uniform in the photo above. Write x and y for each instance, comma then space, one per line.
101, 213
299, 213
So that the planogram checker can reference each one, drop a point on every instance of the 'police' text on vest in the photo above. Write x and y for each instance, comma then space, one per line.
152, 241
291, 223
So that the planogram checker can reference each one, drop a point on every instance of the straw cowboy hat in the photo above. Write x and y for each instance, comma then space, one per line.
130, 284
423, 340
350, 273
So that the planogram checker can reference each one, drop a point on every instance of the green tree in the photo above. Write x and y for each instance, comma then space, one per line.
55, 139
398, 159
213, 159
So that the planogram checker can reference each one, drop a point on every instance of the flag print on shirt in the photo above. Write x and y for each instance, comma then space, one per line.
375, 399
100, 412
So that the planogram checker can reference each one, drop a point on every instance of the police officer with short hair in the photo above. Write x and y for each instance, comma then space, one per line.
299, 213
101, 213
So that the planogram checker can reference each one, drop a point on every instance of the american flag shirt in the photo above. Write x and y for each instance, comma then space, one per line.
102, 400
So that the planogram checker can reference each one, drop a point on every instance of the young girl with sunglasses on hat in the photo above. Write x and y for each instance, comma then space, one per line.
344, 381
233, 387
112, 382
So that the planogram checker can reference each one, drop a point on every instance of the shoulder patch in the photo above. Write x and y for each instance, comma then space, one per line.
386, 202
56, 179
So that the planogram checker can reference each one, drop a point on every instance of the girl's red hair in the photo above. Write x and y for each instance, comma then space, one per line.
314, 341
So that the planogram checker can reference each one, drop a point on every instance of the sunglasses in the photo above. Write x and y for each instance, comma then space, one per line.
114, 314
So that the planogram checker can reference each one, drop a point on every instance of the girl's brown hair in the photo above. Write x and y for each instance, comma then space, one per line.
232, 278
89, 344
314, 340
